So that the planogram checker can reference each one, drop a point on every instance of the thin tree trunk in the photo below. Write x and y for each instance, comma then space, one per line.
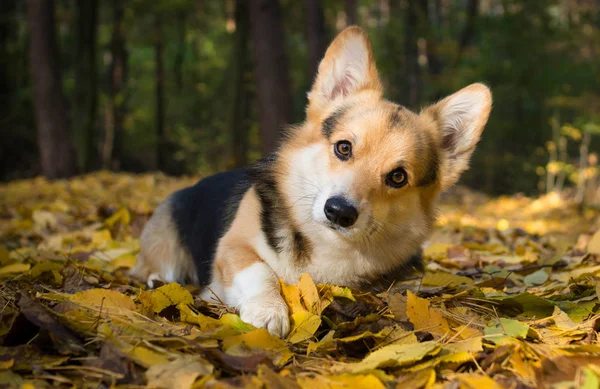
57, 154
413, 71
241, 104
113, 141
468, 33
181, 45
85, 102
351, 12
434, 63
161, 142
272, 74
317, 40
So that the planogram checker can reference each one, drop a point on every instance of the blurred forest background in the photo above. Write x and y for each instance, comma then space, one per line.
196, 86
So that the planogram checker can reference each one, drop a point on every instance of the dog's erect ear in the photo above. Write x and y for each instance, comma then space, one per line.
460, 119
348, 67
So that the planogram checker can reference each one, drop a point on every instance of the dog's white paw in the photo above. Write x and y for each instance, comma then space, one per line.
267, 312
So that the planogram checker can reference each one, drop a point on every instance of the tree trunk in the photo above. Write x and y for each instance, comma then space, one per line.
113, 140
85, 102
161, 141
413, 71
272, 77
57, 154
316, 37
351, 12
241, 105
468, 33
181, 44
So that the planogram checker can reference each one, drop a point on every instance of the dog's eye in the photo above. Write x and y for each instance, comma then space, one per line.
397, 178
343, 150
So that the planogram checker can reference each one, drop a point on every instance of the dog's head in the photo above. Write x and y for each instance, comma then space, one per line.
362, 165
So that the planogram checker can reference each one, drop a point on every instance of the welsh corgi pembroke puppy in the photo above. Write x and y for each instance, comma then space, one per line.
348, 197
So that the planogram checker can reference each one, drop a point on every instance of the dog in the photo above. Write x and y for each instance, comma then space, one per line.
348, 197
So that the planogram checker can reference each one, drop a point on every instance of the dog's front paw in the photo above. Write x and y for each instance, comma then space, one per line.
267, 312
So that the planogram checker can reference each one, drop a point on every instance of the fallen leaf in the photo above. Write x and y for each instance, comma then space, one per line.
179, 373
261, 339
171, 294
303, 326
497, 330
424, 317
291, 295
536, 278
9, 270
368, 381
309, 294
445, 279
391, 356
104, 299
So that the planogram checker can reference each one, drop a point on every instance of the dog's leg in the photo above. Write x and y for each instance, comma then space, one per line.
252, 287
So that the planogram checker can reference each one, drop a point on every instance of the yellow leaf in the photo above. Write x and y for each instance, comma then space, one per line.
562, 320
4, 255
424, 317
121, 216
445, 279
472, 381
261, 339
43, 267
291, 295
395, 355
367, 381
303, 326
171, 294
146, 303
178, 374
14, 268
473, 345
234, 321
437, 250
593, 246
145, 356
101, 238
126, 261
338, 291
423, 378
309, 294
103, 298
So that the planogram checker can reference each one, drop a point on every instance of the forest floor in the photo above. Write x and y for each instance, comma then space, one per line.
509, 298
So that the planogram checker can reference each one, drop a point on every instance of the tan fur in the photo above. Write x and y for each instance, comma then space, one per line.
161, 256
235, 252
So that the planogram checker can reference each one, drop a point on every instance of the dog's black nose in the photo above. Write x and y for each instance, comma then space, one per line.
340, 211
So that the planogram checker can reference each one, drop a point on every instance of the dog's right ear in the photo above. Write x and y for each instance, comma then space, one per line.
348, 67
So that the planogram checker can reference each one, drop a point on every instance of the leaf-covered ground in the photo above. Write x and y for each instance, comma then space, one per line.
509, 298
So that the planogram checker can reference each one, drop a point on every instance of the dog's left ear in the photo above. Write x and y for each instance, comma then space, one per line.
459, 120
348, 67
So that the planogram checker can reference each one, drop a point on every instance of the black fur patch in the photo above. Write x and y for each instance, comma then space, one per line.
332, 121
272, 209
430, 172
274, 216
203, 213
